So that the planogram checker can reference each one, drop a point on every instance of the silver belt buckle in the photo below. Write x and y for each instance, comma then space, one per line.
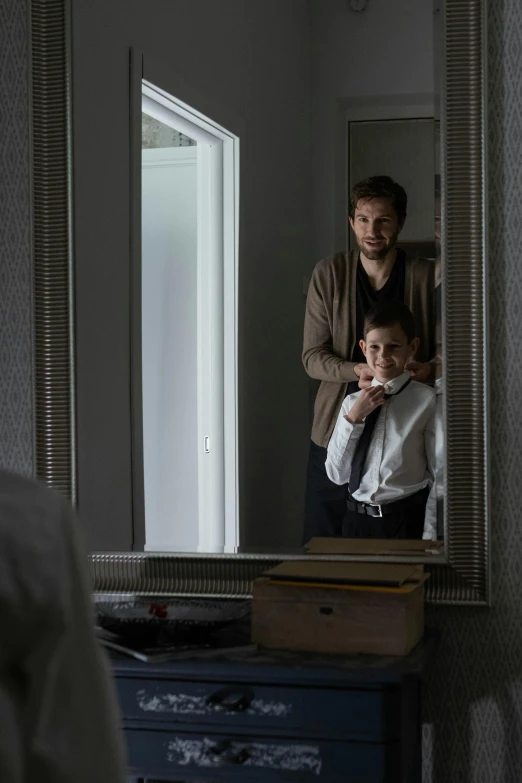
376, 505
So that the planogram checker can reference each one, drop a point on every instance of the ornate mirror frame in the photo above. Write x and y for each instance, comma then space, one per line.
463, 576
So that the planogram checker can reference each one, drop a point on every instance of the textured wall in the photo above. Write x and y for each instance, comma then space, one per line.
474, 709
16, 418
475, 702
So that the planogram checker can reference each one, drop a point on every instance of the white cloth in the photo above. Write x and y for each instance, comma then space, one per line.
439, 441
401, 455
59, 722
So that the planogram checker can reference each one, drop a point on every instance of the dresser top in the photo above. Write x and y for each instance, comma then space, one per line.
247, 663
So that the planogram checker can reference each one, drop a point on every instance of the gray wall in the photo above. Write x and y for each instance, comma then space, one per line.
404, 150
474, 708
386, 50
253, 59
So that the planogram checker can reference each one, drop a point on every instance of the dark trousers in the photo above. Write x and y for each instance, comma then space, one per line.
407, 523
326, 514
325, 502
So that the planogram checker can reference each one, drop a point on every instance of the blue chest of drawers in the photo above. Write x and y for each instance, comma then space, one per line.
253, 715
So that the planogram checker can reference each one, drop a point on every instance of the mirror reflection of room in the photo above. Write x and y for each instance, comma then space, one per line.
369, 336
228, 414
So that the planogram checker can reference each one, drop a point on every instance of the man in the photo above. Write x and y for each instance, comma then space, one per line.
342, 289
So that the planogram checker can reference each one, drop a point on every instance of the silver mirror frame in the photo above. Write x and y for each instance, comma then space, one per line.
463, 575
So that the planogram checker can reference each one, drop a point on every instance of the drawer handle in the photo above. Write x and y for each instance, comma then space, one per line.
230, 700
226, 753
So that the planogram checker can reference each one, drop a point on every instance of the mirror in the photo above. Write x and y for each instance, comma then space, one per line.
272, 125
187, 282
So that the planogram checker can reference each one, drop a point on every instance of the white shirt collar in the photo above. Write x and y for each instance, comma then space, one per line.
393, 386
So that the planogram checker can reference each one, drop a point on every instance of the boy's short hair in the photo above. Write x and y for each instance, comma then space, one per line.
379, 187
385, 314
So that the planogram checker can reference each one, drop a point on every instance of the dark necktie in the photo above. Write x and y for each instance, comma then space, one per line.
363, 445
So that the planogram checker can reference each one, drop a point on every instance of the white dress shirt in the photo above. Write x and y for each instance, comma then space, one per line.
401, 455
59, 720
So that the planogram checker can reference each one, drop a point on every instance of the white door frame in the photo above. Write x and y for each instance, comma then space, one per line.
218, 220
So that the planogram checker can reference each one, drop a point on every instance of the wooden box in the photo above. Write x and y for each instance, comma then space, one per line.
339, 607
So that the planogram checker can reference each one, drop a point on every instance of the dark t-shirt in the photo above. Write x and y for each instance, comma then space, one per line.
366, 296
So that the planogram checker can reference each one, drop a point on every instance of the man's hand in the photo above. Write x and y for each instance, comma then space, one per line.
419, 371
364, 374
371, 398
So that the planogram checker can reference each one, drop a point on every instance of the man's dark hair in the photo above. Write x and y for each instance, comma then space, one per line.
385, 314
380, 187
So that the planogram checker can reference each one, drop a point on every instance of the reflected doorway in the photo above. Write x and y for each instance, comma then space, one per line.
188, 330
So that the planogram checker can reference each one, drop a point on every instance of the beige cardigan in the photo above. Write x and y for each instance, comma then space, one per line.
329, 329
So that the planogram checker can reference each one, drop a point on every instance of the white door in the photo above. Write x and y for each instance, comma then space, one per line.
189, 329
169, 347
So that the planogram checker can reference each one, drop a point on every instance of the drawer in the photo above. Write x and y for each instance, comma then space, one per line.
367, 715
184, 756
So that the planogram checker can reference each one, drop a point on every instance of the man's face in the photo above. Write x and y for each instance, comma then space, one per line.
376, 227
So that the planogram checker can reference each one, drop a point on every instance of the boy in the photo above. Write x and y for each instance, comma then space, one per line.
383, 443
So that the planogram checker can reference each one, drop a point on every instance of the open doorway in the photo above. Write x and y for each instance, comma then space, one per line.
188, 334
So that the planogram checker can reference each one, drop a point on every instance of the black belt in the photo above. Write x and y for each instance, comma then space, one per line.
383, 510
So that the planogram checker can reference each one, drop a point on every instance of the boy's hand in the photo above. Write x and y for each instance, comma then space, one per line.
367, 401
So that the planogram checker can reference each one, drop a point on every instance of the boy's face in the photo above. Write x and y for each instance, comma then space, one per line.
387, 351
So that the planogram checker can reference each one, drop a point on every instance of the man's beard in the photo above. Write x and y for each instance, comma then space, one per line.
379, 253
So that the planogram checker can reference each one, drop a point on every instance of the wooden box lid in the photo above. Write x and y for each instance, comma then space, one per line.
331, 574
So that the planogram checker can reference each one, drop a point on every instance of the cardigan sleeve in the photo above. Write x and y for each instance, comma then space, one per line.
420, 298
319, 360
